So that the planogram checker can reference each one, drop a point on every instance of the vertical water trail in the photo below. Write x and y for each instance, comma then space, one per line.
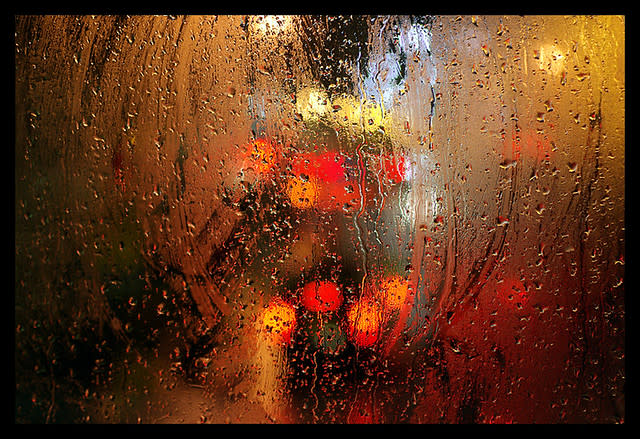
381, 206
313, 386
272, 369
419, 248
361, 183
361, 180
361, 177
315, 370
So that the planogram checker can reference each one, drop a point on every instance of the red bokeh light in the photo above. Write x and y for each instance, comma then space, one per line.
328, 172
321, 296
395, 168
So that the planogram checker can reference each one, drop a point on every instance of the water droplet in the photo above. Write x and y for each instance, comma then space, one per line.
508, 163
582, 76
408, 268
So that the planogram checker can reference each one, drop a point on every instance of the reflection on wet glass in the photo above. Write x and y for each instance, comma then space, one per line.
315, 219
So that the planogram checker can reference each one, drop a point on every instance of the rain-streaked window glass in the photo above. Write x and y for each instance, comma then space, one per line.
319, 219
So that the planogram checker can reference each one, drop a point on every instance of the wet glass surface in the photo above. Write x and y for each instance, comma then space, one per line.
316, 219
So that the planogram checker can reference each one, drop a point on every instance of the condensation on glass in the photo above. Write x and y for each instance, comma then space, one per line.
315, 219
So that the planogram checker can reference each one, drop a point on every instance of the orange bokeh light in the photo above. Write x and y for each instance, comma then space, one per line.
364, 320
263, 156
303, 194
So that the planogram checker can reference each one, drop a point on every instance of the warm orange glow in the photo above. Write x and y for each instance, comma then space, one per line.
324, 175
321, 296
335, 196
394, 291
324, 182
263, 156
279, 320
364, 322
530, 146
302, 193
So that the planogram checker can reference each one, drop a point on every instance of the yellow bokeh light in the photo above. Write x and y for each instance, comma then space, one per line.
345, 111
272, 23
550, 57
279, 320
